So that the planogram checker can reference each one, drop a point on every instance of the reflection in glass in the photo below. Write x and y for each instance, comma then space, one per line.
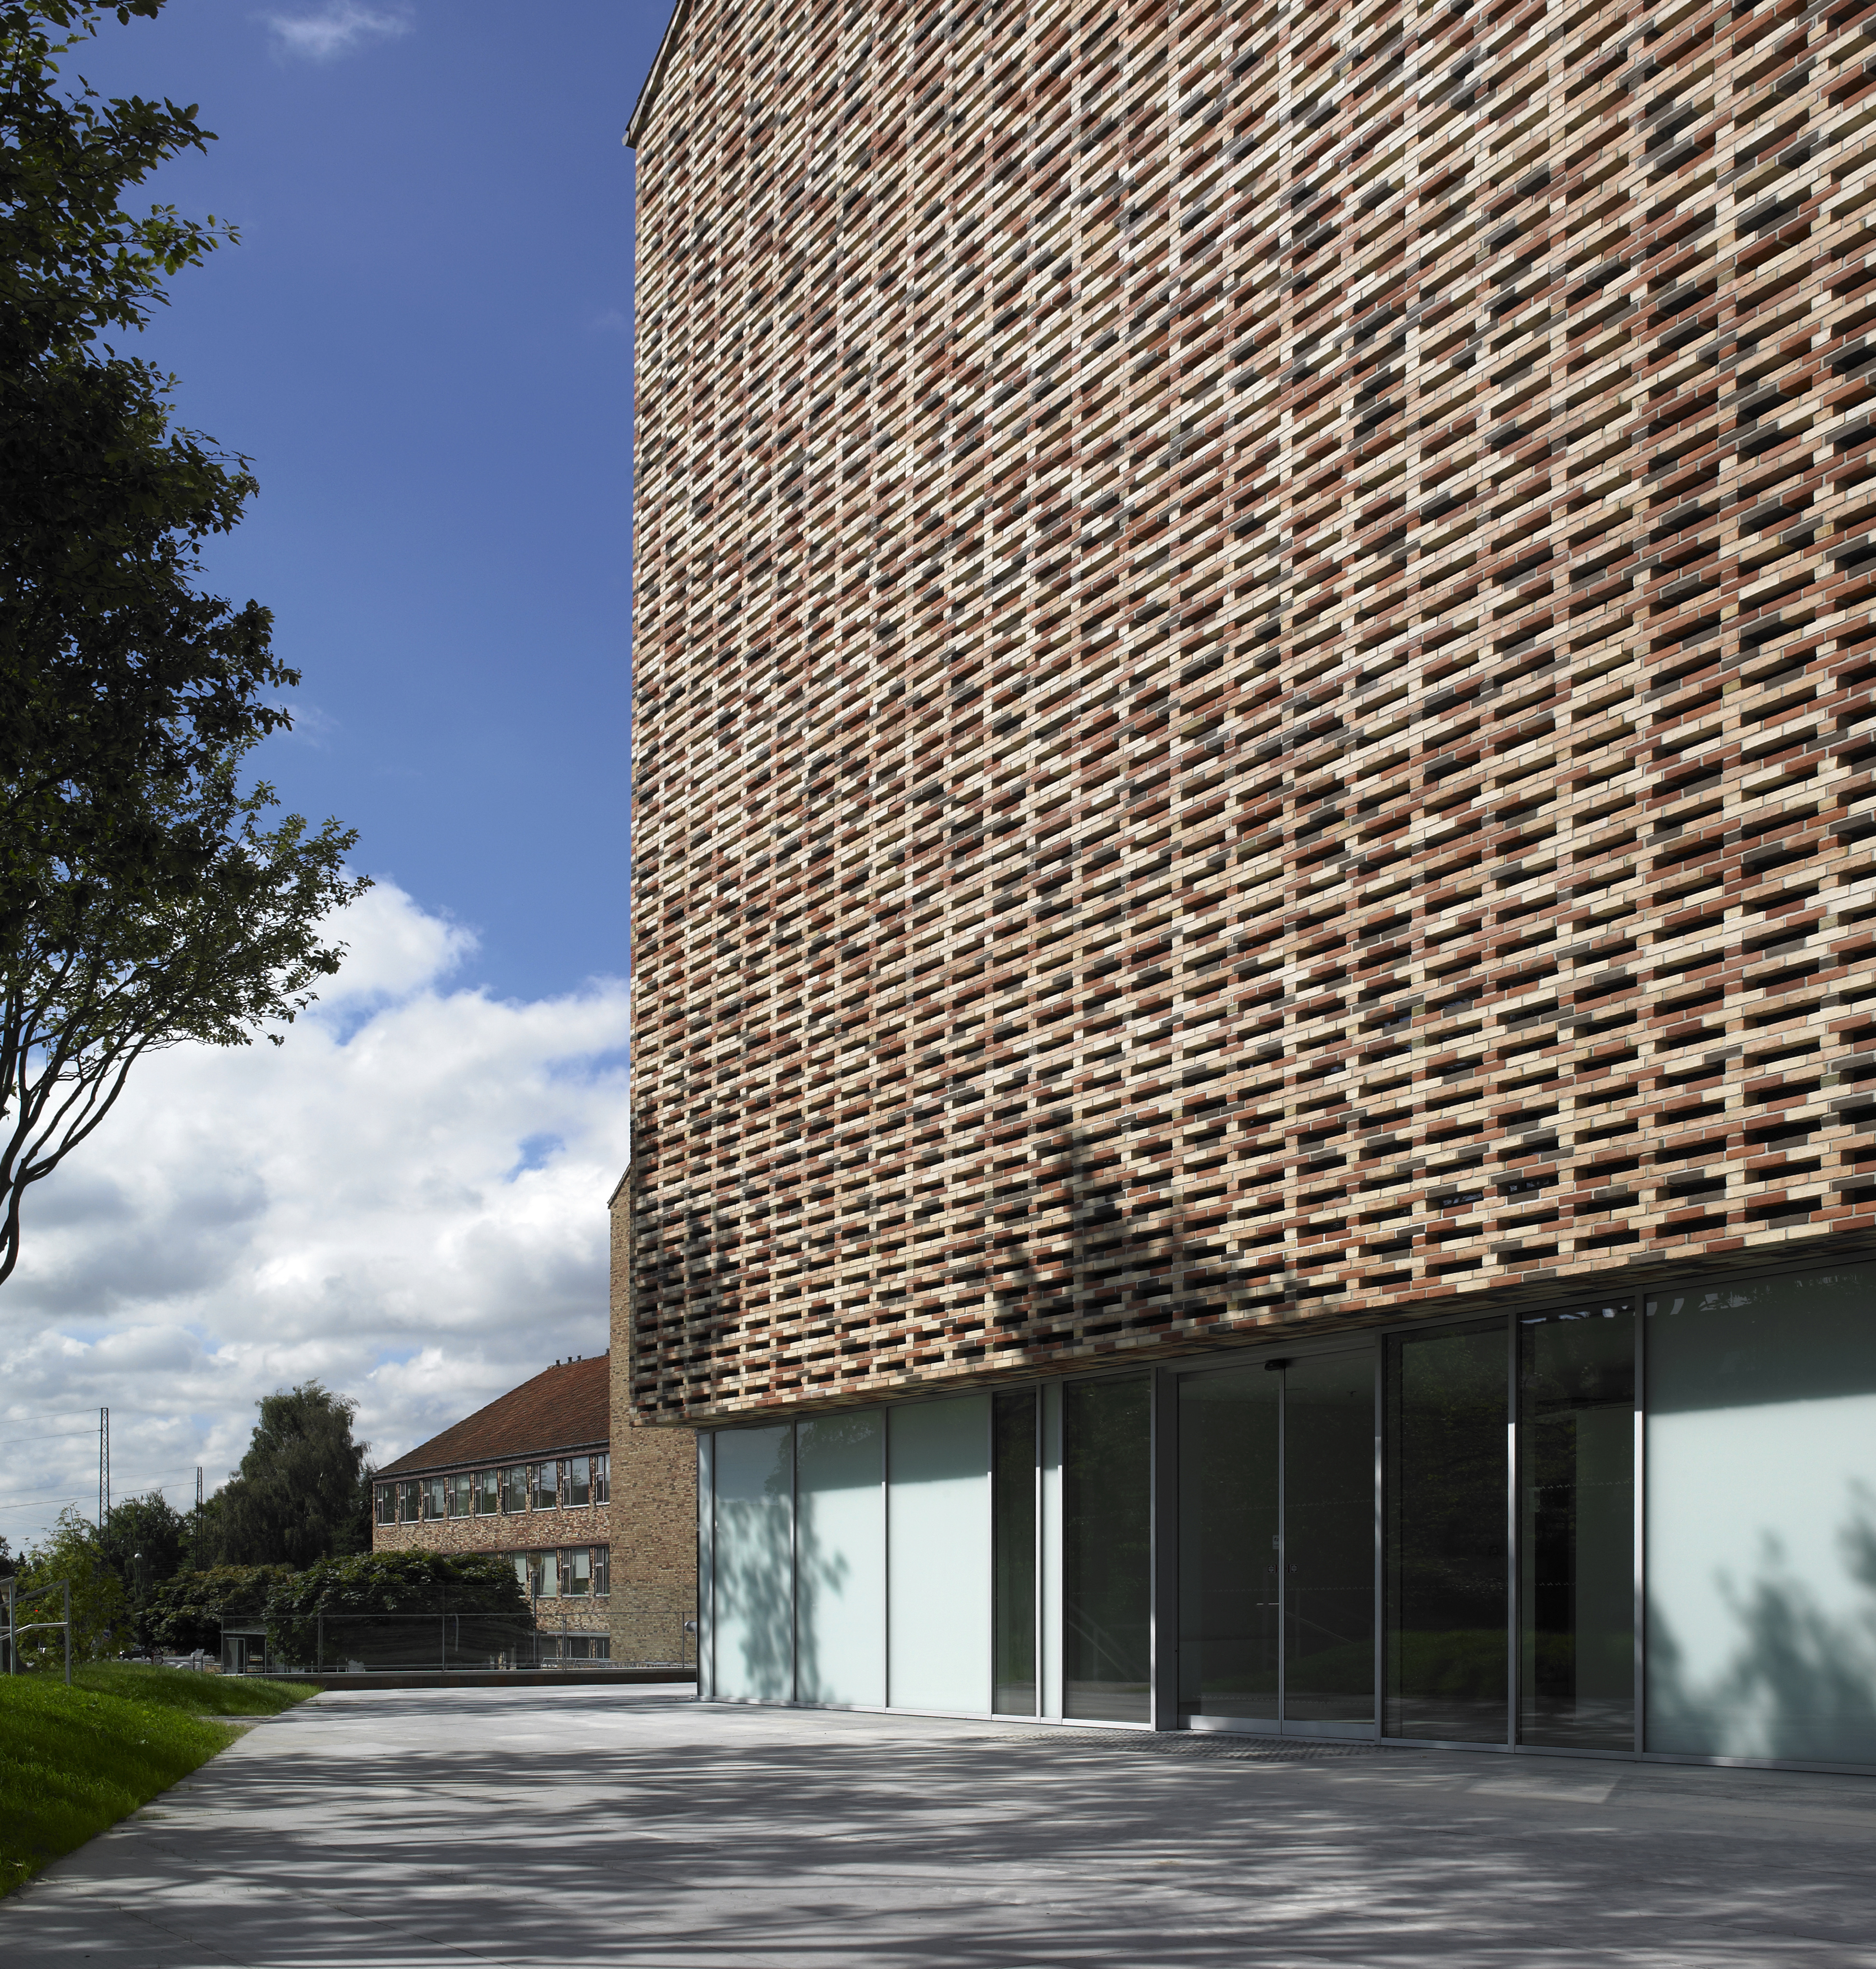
752, 1539
1761, 1518
1446, 1551
1106, 1549
840, 1558
1329, 1538
1576, 1448
1228, 1544
1013, 1505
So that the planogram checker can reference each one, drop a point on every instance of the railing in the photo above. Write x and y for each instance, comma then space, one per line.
14, 1630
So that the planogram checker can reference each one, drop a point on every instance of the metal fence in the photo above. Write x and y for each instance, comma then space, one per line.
559, 1636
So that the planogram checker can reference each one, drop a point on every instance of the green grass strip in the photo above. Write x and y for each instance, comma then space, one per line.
73, 1761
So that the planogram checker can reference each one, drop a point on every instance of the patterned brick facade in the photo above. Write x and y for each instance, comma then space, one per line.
1254, 649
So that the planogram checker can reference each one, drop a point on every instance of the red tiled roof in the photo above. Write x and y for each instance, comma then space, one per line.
566, 1407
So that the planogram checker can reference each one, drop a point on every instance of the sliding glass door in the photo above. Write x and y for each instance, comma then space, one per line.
1277, 1546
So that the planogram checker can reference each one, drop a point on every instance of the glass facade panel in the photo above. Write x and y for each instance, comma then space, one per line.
753, 1539
840, 1543
1448, 1538
938, 1524
1576, 1504
1229, 1591
1014, 1504
1762, 1519
1107, 1549
1329, 1539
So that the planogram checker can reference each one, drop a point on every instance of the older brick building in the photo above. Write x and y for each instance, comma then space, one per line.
533, 1476
1253, 662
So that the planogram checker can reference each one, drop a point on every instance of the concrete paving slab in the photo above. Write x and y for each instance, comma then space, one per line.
583, 1826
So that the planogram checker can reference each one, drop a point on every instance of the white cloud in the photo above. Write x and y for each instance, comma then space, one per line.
337, 29
407, 1200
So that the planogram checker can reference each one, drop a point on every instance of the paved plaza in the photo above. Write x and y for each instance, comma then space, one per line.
592, 1825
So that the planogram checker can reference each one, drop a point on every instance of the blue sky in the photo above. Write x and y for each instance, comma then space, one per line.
422, 341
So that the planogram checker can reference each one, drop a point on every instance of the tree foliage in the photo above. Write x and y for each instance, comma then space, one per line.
384, 1606
186, 1611
143, 1541
100, 1607
303, 1490
143, 901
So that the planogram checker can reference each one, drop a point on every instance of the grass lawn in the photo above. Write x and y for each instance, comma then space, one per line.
74, 1760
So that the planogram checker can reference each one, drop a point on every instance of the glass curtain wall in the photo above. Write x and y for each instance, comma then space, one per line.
1107, 1549
1448, 1544
938, 1554
1762, 1519
840, 1558
1015, 1470
995, 1551
753, 1544
1576, 1529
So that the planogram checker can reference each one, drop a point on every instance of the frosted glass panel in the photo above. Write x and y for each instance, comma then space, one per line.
840, 1548
754, 1587
1762, 1519
940, 1526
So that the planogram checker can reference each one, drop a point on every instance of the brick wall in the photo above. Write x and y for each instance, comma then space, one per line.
1253, 663
654, 1485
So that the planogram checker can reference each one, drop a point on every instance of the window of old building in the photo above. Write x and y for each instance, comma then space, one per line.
409, 1503
602, 1569
386, 1504
543, 1486
602, 1479
514, 1487
488, 1492
461, 1493
578, 1482
435, 1493
576, 1571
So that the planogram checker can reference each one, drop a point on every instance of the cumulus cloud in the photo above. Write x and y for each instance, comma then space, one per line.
337, 29
406, 1200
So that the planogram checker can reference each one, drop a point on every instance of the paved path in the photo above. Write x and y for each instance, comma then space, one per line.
584, 1826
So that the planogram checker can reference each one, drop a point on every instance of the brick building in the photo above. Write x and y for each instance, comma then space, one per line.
1254, 652
532, 1476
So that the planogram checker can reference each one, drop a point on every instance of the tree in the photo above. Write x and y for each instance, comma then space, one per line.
186, 1612
303, 1490
142, 1541
100, 1610
143, 902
